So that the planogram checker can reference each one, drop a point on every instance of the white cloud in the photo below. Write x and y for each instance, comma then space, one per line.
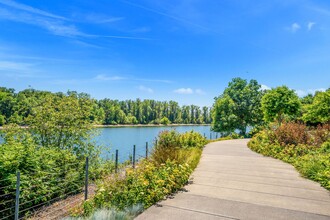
145, 89
316, 90
184, 91
302, 93
188, 91
264, 87
104, 77
310, 25
294, 27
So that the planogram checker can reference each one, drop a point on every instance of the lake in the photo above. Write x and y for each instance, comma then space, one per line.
123, 138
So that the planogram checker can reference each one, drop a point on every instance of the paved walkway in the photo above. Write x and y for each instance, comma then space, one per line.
232, 182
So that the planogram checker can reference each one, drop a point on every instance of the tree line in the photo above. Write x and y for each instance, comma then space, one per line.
244, 105
16, 107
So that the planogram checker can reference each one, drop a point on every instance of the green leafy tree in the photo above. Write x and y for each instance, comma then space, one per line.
165, 121
319, 110
280, 103
242, 107
64, 123
7, 102
223, 114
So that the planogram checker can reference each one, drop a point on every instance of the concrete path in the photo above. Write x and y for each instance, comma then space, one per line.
232, 182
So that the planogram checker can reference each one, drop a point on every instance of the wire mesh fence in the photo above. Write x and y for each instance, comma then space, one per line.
24, 194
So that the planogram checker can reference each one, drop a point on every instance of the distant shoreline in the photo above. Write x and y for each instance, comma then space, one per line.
147, 125
136, 125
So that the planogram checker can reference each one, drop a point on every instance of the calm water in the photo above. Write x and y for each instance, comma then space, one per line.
123, 138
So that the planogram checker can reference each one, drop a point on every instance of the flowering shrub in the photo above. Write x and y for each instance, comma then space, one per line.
170, 143
145, 185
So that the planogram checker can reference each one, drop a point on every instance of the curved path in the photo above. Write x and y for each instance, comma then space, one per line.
232, 182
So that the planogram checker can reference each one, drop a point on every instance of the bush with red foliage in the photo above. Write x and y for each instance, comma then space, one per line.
291, 133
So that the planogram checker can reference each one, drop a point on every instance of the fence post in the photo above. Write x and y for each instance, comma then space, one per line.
156, 142
134, 156
146, 150
116, 162
210, 136
204, 135
18, 182
86, 179
216, 136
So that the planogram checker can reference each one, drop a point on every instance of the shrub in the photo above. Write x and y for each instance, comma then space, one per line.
291, 133
169, 144
45, 173
145, 185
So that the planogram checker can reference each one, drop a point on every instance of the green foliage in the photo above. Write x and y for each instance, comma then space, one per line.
17, 107
291, 134
280, 103
50, 154
170, 144
238, 107
165, 121
64, 123
46, 173
319, 110
224, 119
145, 185
310, 157
2, 120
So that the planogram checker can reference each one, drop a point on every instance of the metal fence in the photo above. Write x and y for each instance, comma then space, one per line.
74, 186
15, 206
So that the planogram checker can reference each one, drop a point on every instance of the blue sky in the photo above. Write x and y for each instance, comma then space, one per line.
183, 50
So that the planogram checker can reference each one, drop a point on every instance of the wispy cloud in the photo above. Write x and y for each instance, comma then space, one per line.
30, 9
141, 30
101, 19
104, 77
189, 91
185, 91
165, 14
18, 69
145, 89
310, 25
294, 27
55, 24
